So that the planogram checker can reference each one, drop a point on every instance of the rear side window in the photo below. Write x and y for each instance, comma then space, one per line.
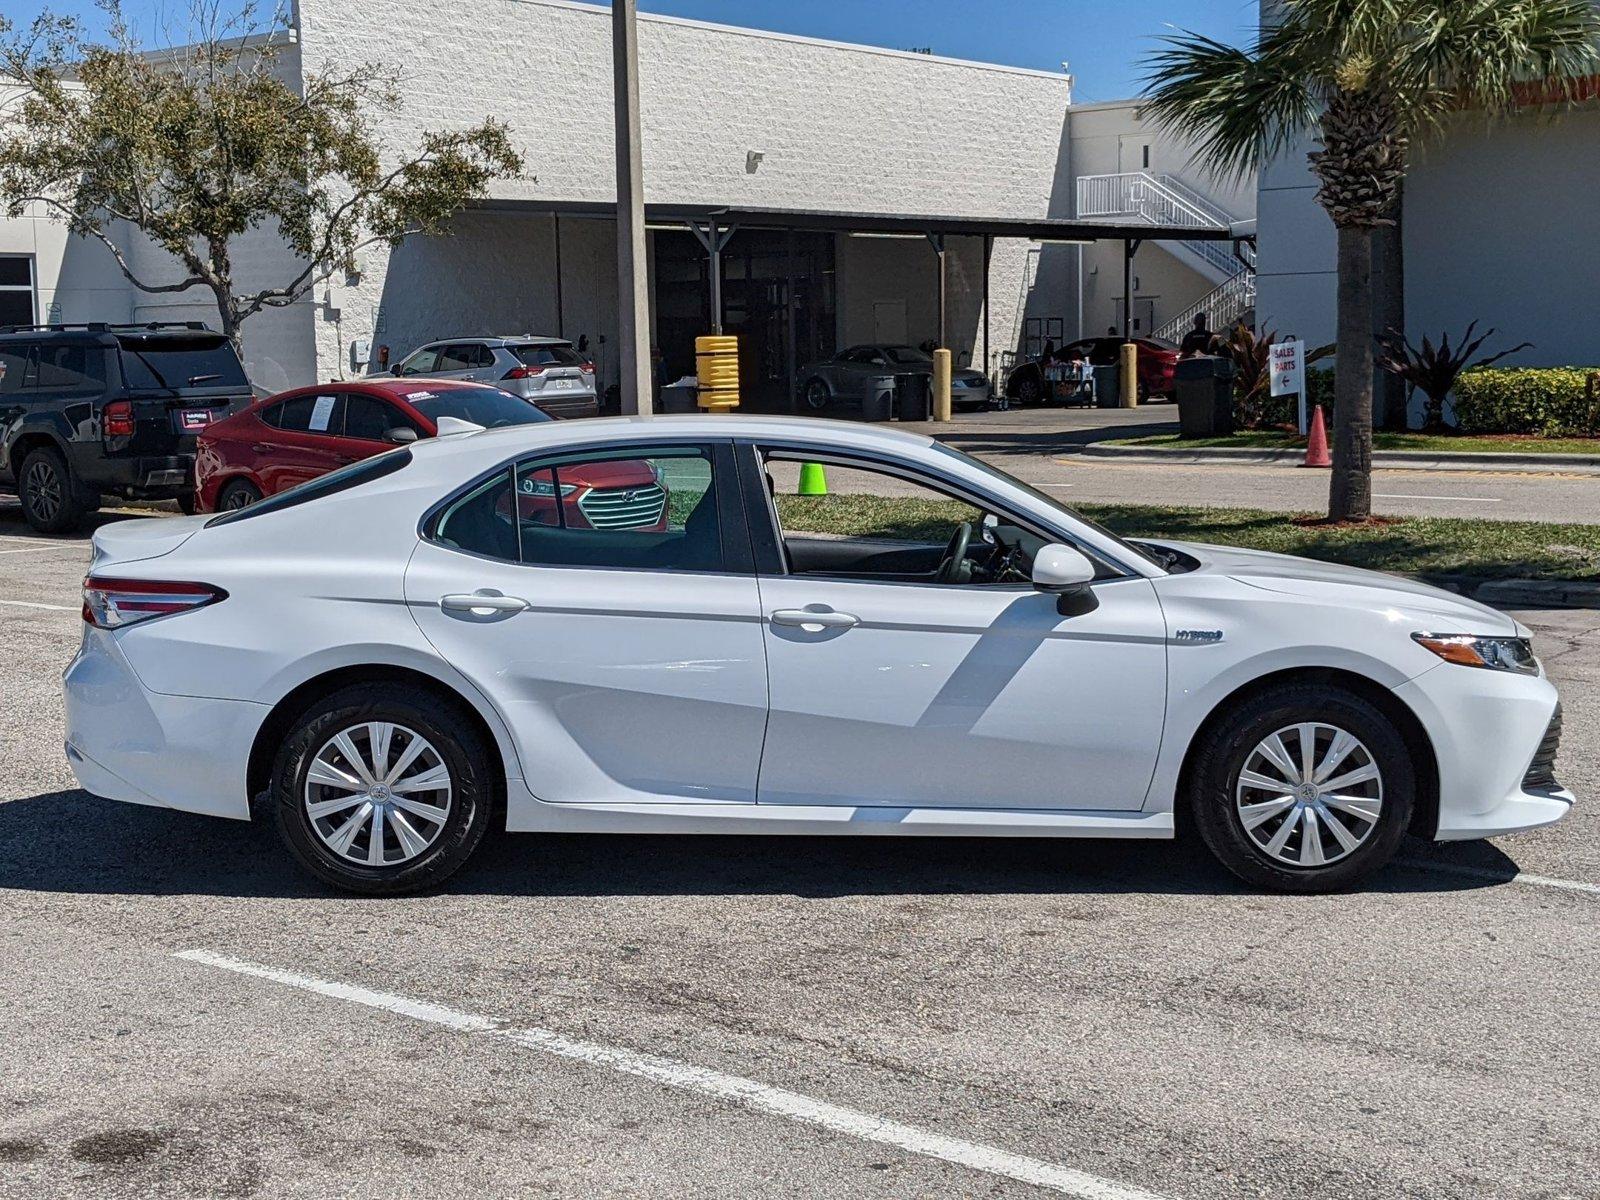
167, 362
342, 480
547, 356
68, 368
464, 357
312, 414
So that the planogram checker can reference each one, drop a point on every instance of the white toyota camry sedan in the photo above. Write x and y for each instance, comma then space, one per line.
644, 626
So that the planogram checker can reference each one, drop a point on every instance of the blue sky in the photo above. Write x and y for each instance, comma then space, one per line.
1103, 40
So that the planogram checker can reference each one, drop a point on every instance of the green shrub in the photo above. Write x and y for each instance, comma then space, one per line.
1550, 401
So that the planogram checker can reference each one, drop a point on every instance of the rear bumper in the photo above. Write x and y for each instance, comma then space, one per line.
142, 477
125, 742
567, 405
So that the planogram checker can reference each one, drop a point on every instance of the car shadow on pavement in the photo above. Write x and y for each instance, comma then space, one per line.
71, 842
13, 525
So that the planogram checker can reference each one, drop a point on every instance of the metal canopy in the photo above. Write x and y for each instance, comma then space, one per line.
1039, 229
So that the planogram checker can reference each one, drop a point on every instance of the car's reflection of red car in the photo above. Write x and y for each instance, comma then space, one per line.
298, 435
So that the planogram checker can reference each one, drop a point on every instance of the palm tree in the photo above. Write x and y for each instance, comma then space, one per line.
1365, 78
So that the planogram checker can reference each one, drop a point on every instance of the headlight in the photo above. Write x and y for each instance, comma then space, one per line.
1491, 653
543, 487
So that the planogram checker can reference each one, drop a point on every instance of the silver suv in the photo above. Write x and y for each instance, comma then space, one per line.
547, 371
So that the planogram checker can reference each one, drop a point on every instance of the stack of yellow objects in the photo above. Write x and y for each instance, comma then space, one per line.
717, 368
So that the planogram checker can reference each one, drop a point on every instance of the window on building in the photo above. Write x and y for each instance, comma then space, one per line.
16, 290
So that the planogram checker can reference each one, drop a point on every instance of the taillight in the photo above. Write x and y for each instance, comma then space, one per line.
116, 419
113, 603
523, 372
587, 368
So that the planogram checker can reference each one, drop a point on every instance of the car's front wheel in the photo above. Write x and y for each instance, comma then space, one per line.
817, 397
1303, 788
382, 789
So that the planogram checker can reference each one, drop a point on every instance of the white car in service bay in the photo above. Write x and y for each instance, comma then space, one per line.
396, 655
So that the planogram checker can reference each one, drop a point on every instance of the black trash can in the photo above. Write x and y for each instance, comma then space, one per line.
877, 401
913, 397
1108, 386
1205, 396
680, 398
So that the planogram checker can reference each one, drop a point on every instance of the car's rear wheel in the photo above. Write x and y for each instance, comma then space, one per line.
1027, 392
240, 493
52, 502
1303, 788
383, 790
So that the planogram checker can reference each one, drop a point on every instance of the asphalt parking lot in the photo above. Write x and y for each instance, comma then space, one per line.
628, 1016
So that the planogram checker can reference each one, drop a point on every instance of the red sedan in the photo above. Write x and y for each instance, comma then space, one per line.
1158, 361
296, 436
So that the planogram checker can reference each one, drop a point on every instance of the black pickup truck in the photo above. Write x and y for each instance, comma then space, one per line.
89, 411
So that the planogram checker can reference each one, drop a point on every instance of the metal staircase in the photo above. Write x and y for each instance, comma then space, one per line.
1144, 197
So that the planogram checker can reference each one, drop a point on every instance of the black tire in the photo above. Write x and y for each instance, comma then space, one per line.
1144, 392
52, 500
453, 739
1233, 741
238, 493
1027, 392
815, 395
187, 504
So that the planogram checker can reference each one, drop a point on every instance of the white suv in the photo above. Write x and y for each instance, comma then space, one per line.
548, 371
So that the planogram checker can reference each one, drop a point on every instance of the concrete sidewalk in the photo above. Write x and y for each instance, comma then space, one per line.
1402, 460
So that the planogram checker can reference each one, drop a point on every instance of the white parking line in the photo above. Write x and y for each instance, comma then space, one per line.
733, 1088
1569, 885
42, 549
34, 604
1467, 499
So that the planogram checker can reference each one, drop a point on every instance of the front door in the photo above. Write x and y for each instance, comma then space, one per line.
898, 679
602, 602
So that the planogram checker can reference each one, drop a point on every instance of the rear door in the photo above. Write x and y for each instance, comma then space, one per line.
462, 360
627, 661
305, 441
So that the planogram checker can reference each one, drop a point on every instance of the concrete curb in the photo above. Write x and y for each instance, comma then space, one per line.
1519, 593
1411, 460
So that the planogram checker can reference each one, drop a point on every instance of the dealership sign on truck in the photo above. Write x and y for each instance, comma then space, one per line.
1286, 366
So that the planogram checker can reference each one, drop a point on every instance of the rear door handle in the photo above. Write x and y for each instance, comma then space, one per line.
482, 602
800, 618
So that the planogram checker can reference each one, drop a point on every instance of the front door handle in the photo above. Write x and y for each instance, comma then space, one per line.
804, 619
482, 602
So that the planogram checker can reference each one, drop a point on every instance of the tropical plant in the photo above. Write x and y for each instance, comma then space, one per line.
1366, 78
1255, 407
195, 146
1433, 370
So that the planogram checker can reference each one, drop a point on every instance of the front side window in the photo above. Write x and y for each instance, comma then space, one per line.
640, 509
372, 419
420, 363
15, 360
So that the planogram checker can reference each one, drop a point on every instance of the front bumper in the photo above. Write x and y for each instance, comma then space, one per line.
1487, 729
125, 742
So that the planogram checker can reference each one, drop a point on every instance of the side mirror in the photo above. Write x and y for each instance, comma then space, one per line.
1058, 568
400, 435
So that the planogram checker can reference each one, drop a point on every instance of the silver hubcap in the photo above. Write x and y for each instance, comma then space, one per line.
378, 794
44, 490
1309, 794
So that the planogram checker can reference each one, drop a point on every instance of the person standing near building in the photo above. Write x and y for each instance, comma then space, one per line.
1198, 340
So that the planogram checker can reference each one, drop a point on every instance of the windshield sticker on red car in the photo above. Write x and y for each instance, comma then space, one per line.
420, 396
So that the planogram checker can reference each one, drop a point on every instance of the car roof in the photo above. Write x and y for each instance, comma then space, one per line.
555, 434
499, 339
399, 389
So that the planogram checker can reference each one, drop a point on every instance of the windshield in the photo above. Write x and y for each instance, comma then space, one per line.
1052, 503
489, 407
167, 362
906, 354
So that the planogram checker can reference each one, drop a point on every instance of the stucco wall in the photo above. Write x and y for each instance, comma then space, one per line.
1499, 228
846, 128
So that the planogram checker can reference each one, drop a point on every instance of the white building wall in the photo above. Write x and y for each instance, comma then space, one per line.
843, 128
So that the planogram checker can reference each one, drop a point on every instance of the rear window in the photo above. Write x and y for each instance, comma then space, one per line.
166, 362
547, 356
342, 480
489, 407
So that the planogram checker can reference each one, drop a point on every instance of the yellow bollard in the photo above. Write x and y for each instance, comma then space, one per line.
941, 385
1128, 376
716, 360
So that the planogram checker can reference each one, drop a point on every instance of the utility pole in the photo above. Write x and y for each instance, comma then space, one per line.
633, 294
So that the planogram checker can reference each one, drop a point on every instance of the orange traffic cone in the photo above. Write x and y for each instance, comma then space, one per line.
1317, 443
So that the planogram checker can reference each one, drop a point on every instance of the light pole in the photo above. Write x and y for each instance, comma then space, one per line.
633, 296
